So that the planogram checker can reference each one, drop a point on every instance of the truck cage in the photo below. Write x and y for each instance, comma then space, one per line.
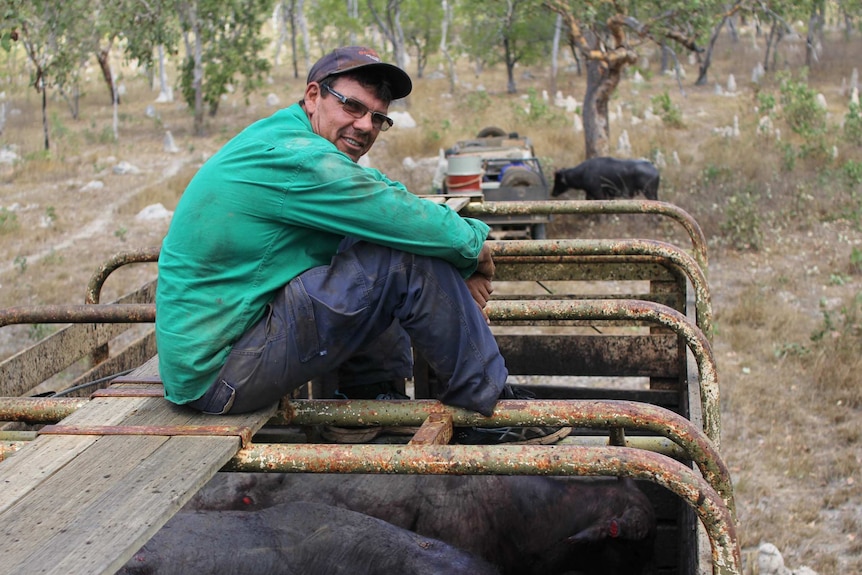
570, 316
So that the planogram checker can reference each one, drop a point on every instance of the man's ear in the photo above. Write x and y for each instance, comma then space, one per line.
312, 97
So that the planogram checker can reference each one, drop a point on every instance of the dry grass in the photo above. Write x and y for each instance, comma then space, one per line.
790, 403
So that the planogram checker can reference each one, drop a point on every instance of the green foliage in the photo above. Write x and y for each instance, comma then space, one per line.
8, 221
670, 113
20, 262
713, 174
805, 117
848, 322
537, 111
228, 33
120, 233
742, 221
856, 261
853, 125
477, 101
852, 170
766, 103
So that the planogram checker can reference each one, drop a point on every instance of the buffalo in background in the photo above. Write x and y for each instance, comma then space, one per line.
606, 178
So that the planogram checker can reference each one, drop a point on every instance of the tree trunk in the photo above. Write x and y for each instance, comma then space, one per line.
595, 114
166, 93
303, 28
773, 31
295, 61
103, 57
555, 53
45, 113
510, 68
707, 60
444, 46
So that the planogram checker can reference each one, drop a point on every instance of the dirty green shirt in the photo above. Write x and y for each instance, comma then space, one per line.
274, 202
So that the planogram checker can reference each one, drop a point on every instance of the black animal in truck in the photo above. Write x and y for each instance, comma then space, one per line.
605, 178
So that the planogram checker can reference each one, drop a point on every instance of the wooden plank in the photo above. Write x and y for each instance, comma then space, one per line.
457, 204
100, 537
85, 504
44, 456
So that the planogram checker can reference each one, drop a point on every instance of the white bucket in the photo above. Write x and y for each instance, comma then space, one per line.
464, 174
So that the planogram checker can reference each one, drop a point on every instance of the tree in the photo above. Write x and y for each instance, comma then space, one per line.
56, 38
607, 36
423, 29
509, 31
223, 41
387, 15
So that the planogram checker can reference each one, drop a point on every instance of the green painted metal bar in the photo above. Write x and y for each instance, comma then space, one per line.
556, 460
664, 209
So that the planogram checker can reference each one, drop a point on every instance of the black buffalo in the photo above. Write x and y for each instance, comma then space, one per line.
606, 178
298, 538
523, 524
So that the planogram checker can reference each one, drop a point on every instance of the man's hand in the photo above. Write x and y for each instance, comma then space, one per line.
479, 283
486, 264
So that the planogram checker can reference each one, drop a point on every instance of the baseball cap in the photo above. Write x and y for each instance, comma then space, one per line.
350, 58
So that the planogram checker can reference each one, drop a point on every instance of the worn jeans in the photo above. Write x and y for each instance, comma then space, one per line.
329, 314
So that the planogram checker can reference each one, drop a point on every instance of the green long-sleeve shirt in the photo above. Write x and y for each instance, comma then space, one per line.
274, 202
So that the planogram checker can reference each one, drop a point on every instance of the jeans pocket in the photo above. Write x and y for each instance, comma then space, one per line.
219, 399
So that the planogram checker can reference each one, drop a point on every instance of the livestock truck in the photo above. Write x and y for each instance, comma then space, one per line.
612, 336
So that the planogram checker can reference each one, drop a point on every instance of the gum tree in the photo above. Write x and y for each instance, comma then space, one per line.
509, 31
607, 36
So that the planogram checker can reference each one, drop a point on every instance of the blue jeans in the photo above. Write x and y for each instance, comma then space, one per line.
330, 314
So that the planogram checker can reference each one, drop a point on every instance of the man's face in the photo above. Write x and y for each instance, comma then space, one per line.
353, 136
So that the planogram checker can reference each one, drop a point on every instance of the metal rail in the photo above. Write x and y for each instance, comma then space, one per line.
565, 252
502, 310
584, 414
698, 240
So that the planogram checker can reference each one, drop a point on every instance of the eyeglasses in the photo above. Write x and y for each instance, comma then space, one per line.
358, 110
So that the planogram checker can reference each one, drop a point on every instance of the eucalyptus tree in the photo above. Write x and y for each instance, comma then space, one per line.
608, 37
150, 30
223, 43
509, 31
56, 36
423, 23
336, 23
387, 15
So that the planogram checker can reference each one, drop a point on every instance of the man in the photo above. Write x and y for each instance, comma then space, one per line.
286, 259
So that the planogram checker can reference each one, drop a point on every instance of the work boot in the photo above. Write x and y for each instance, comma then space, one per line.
511, 435
383, 390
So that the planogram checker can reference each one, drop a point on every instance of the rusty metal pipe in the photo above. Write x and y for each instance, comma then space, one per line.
581, 413
39, 409
505, 310
664, 209
510, 459
80, 313
527, 251
144, 255
584, 414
